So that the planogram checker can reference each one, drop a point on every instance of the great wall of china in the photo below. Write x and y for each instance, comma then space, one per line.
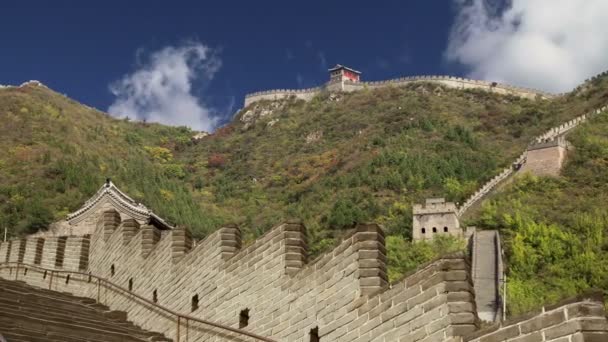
552, 135
449, 81
342, 295
124, 256
348, 86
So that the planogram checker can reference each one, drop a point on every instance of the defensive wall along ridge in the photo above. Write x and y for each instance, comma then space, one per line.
343, 295
349, 86
553, 136
449, 81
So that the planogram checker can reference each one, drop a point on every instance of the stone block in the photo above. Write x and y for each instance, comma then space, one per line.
563, 329
501, 335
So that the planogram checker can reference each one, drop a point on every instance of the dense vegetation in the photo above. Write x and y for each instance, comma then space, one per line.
556, 229
56, 153
331, 162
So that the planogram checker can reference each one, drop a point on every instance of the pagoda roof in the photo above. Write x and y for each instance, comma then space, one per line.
340, 66
121, 202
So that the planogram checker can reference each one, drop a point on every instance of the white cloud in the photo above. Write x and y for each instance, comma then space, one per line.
322, 60
548, 44
161, 89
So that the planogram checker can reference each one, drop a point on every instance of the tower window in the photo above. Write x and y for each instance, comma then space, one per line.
131, 284
314, 334
155, 296
194, 303
423, 230
434, 229
244, 318
112, 270
67, 279
445, 229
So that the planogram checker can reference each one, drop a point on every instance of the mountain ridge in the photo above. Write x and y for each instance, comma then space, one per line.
343, 158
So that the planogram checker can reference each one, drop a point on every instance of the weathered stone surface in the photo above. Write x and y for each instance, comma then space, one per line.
343, 293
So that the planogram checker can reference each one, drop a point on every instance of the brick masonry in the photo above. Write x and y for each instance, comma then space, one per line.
580, 319
343, 293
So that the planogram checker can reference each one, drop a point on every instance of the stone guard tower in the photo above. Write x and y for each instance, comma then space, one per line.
435, 217
546, 157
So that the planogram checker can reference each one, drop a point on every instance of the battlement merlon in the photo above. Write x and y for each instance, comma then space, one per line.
559, 141
434, 206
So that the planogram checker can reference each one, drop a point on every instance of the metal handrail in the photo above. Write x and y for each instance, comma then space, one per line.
131, 294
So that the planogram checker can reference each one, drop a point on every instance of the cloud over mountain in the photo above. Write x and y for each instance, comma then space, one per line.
162, 88
548, 44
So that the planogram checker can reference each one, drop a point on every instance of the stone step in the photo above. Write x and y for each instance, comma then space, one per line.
74, 330
31, 314
70, 318
486, 286
16, 334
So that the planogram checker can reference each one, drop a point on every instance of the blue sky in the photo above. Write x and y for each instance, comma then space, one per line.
96, 52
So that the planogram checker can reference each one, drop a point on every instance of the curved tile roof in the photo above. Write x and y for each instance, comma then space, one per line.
122, 201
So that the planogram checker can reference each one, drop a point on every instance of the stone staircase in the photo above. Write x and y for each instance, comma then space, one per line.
33, 314
487, 274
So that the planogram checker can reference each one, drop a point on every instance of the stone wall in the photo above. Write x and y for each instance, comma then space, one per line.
556, 158
60, 253
277, 94
580, 319
348, 86
546, 158
343, 293
464, 83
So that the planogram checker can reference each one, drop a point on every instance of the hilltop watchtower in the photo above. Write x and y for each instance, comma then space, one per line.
340, 76
341, 73
435, 217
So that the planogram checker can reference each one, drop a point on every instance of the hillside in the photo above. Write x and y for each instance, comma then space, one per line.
363, 156
56, 153
331, 162
556, 229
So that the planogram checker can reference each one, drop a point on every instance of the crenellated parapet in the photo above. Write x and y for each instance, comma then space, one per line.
349, 86
343, 294
463, 83
61, 253
278, 94
534, 158
581, 318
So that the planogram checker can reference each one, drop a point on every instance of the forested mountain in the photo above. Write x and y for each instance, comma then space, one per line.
330, 162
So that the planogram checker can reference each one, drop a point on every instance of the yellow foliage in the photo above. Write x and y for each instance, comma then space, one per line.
52, 111
167, 195
159, 154
17, 199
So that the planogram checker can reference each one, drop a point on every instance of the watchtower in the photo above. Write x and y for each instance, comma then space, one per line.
546, 157
340, 74
435, 217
